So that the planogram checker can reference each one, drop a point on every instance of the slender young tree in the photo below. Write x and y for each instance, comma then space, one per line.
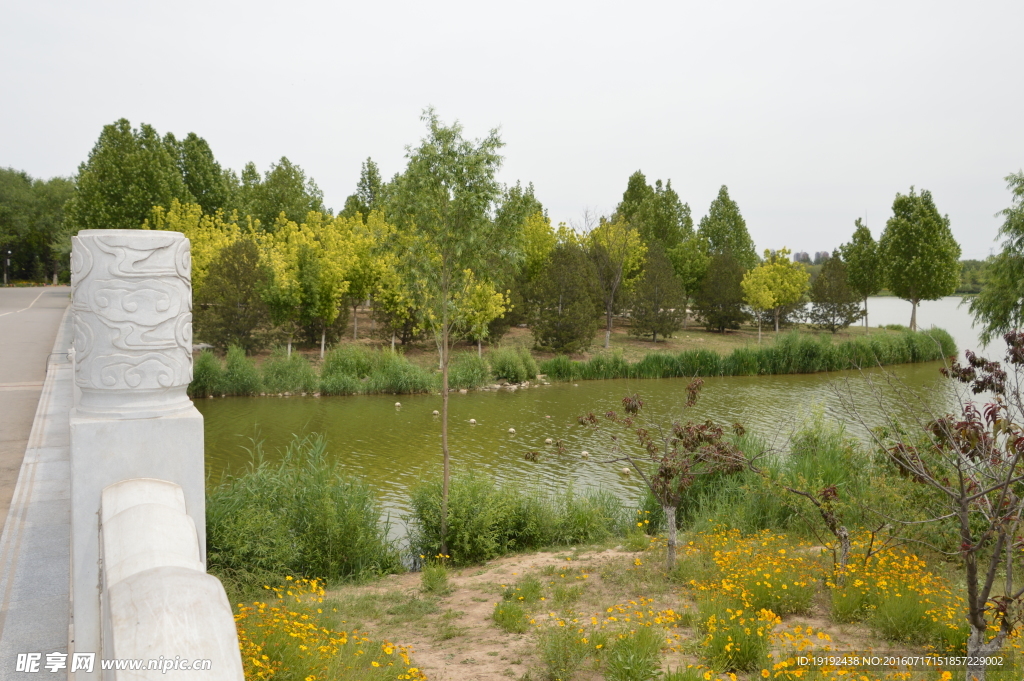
864, 271
445, 200
778, 281
670, 458
919, 255
618, 254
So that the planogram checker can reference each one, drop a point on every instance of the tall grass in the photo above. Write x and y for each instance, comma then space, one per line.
515, 365
793, 353
300, 516
241, 377
282, 373
207, 376
468, 370
350, 369
486, 521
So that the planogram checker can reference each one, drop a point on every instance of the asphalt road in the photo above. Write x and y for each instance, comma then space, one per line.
29, 319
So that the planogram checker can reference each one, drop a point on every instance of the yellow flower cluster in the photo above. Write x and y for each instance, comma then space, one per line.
761, 571
285, 637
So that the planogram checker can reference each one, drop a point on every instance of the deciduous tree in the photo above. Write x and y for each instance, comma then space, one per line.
864, 268
127, 173
369, 192
618, 254
919, 255
690, 263
284, 188
444, 200
778, 281
670, 458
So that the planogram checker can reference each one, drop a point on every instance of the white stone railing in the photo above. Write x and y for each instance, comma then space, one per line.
157, 600
137, 466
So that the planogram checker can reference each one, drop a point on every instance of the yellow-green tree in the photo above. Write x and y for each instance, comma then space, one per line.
208, 234
477, 305
757, 293
774, 284
539, 240
618, 255
311, 263
368, 239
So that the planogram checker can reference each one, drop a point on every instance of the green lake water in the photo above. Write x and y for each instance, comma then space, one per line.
397, 448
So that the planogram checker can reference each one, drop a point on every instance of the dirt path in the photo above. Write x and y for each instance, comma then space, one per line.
455, 638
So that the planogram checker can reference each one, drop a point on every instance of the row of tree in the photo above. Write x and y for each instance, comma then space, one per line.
647, 259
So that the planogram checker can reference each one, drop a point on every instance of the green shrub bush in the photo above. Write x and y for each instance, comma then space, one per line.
241, 377
282, 373
468, 370
300, 516
207, 376
515, 365
486, 521
349, 369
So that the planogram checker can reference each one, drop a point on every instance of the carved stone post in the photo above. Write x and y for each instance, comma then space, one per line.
132, 304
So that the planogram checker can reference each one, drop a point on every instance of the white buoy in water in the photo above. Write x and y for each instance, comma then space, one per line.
625, 471
585, 454
548, 441
437, 413
472, 422
398, 405
511, 431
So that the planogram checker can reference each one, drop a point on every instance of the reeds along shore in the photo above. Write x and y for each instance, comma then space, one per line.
351, 370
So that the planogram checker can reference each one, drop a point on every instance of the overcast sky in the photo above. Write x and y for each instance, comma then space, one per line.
812, 113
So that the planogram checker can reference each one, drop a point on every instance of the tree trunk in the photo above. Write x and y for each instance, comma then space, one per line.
670, 524
686, 310
444, 439
479, 348
323, 340
392, 341
56, 271
913, 315
355, 322
865, 312
289, 346
758, 329
608, 329
843, 535
977, 647
777, 320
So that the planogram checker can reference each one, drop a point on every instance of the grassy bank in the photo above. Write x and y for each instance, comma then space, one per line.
573, 585
351, 369
793, 353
